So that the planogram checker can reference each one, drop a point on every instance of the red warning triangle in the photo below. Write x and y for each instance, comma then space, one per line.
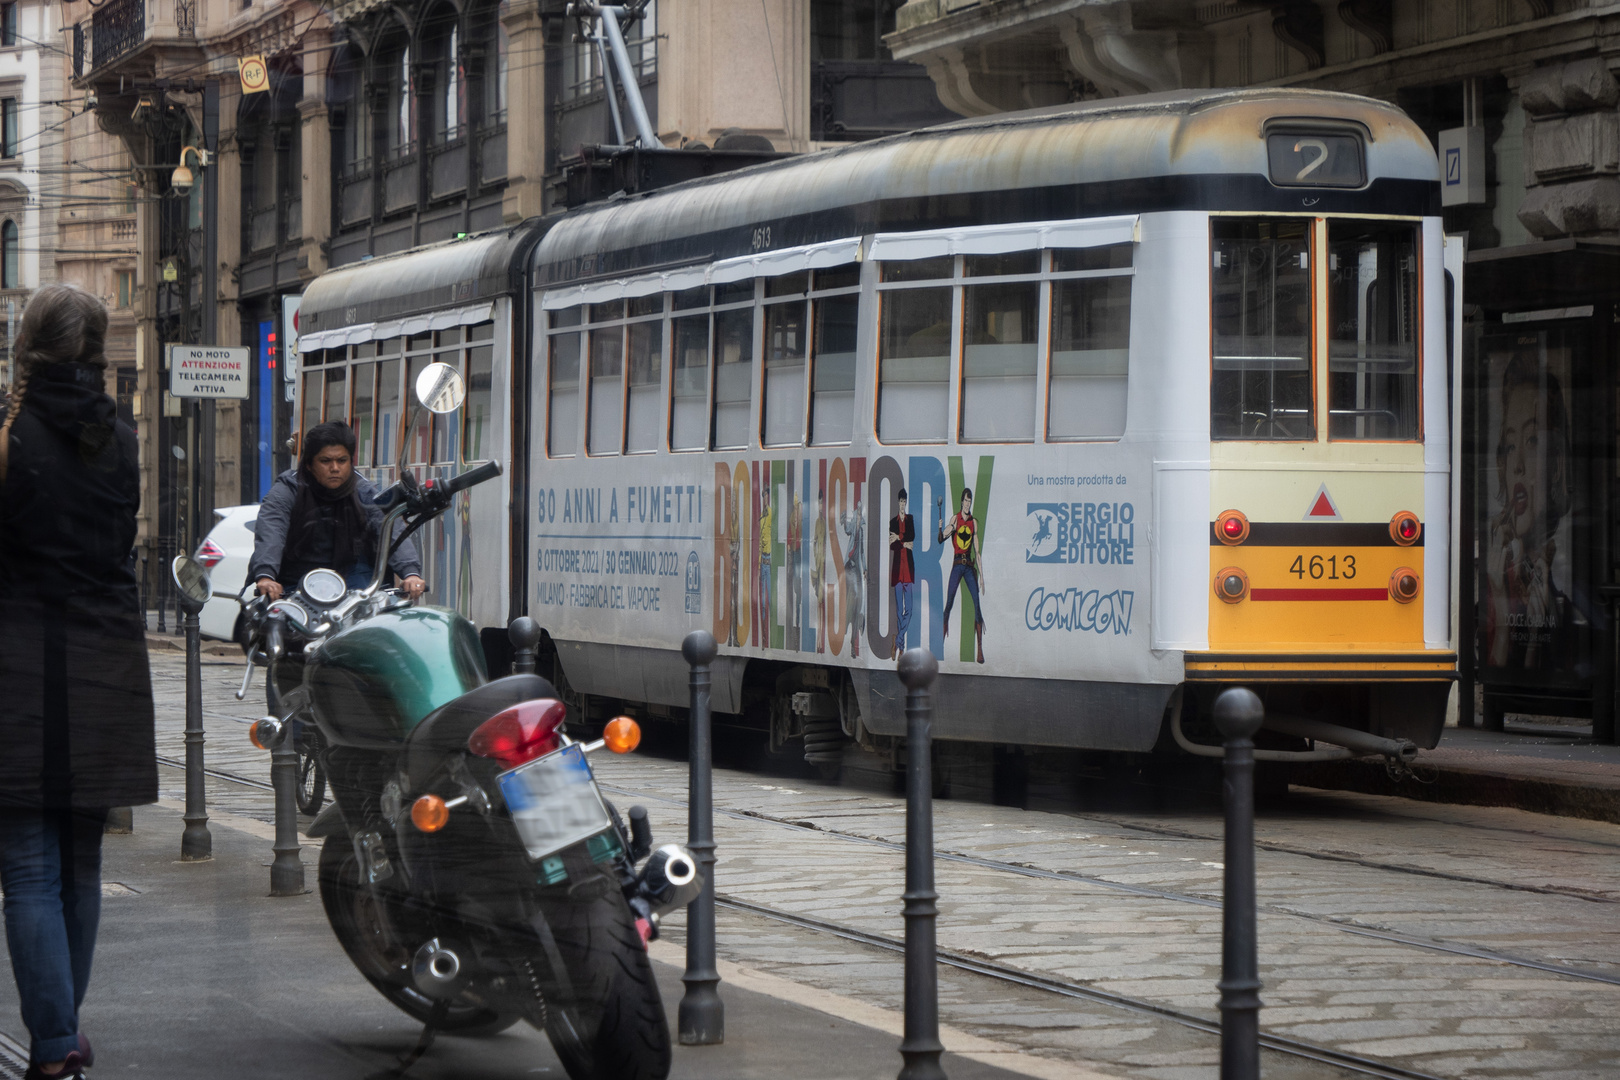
1322, 507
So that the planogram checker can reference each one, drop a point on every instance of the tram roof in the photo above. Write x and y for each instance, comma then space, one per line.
1201, 149
454, 277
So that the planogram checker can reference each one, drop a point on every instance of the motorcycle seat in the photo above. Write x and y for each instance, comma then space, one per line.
446, 729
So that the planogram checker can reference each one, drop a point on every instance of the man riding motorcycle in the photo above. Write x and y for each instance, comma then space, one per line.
322, 514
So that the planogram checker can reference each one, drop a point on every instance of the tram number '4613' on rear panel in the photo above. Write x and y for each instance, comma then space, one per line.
1324, 567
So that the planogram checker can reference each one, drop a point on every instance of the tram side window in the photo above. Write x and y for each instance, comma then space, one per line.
475, 424
733, 376
1091, 340
832, 378
1372, 337
914, 357
646, 364
360, 415
562, 433
1260, 385
421, 444
689, 388
786, 360
447, 426
999, 347
314, 397
606, 433
388, 408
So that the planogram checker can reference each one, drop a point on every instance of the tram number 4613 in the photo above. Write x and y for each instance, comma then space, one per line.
1331, 567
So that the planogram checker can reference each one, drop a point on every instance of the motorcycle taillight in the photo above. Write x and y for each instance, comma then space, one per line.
522, 733
209, 554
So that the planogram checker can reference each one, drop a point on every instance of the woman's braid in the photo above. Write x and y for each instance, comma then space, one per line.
18, 392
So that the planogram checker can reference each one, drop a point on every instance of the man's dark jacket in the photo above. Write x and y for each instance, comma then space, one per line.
75, 690
275, 517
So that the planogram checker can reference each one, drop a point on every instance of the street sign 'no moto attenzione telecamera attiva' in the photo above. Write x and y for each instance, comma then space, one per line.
209, 371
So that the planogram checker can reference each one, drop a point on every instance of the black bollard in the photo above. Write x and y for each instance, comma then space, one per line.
1238, 715
921, 1046
196, 843
524, 633
702, 1013
286, 869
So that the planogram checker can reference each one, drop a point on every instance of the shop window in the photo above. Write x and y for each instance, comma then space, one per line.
1261, 384
1372, 335
914, 361
689, 386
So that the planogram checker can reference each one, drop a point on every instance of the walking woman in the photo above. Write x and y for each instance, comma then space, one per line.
76, 712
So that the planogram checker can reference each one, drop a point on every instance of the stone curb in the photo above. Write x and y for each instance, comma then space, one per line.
1471, 787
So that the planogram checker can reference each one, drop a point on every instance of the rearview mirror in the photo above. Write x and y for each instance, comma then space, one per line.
440, 389
191, 579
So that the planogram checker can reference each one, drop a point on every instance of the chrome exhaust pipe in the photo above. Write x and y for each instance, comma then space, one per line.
437, 969
670, 879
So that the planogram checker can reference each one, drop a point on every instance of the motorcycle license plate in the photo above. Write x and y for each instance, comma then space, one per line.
554, 802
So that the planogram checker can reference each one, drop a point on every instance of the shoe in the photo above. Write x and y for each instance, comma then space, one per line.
86, 1052
72, 1067
980, 636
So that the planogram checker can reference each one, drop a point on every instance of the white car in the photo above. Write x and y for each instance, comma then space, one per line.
226, 552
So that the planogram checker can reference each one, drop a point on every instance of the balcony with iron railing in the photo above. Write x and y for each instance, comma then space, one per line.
119, 29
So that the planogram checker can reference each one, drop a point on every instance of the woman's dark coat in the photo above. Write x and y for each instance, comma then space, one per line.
275, 518
75, 689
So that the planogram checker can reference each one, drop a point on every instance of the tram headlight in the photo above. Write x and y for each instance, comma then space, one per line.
1405, 528
1404, 585
1231, 584
1232, 527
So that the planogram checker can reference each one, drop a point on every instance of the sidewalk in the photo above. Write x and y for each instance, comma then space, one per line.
1528, 767
200, 974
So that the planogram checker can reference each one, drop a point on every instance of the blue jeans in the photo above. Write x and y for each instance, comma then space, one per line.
50, 869
962, 573
904, 592
359, 576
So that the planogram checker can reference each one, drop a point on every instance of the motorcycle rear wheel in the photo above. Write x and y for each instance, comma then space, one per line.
311, 789
351, 909
612, 1026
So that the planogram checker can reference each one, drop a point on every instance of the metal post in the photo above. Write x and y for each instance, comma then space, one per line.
287, 869
524, 633
702, 1013
196, 843
1238, 714
162, 583
921, 1047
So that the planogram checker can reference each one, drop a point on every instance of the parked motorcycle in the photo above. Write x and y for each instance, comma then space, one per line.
471, 868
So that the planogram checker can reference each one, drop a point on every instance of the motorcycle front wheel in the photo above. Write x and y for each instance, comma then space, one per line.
604, 1015
356, 919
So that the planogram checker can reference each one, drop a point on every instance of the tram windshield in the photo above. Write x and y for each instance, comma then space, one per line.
1261, 308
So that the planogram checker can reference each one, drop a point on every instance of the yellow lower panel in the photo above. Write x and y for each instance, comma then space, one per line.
1301, 596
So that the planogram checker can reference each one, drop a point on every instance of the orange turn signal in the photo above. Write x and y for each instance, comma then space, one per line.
1404, 585
1231, 584
265, 732
429, 813
1232, 527
1405, 528
621, 735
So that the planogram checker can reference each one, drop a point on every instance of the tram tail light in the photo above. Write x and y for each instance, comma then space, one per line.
527, 730
1232, 527
1405, 528
1404, 585
1231, 584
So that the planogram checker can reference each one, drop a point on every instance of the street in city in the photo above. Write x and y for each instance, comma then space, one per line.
1080, 935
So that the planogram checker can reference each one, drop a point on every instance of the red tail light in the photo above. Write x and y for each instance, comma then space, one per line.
209, 554
522, 733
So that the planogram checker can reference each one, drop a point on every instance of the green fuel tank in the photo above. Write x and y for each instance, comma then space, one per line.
372, 683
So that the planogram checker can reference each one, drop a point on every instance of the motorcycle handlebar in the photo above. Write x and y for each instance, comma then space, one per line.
487, 471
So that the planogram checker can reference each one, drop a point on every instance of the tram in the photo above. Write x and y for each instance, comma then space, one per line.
1110, 406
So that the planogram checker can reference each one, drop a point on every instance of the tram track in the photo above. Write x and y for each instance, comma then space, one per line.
1393, 937
1066, 988
218, 774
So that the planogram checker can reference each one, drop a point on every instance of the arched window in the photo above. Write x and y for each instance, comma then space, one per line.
9, 276
391, 70
352, 134
489, 40
442, 43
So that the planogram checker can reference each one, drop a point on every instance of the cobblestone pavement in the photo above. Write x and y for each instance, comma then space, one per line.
1446, 941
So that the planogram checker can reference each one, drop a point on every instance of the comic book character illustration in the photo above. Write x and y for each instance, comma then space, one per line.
767, 533
855, 579
818, 557
902, 572
1526, 620
795, 558
963, 531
